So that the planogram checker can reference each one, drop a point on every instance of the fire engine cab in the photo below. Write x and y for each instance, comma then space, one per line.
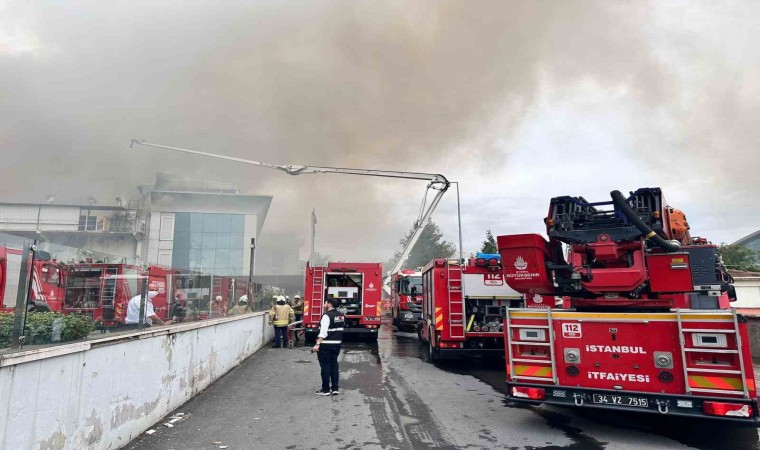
48, 277
645, 324
463, 306
358, 288
406, 298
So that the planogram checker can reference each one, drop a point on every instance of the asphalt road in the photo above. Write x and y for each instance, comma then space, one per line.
391, 398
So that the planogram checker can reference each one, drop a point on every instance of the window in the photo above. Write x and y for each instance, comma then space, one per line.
165, 258
167, 227
87, 223
212, 243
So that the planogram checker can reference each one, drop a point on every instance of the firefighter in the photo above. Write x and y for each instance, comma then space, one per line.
218, 307
280, 316
133, 308
329, 340
298, 310
241, 308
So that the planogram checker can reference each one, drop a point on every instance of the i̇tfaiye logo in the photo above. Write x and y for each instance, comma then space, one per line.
538, 299
520, 263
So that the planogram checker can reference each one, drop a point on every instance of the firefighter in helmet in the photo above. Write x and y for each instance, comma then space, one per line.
241, 307
280, 316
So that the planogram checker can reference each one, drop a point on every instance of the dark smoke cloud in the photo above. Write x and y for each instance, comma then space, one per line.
426, 86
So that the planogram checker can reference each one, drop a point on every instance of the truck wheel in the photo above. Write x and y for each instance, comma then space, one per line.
309, 339
433, 355
372, 337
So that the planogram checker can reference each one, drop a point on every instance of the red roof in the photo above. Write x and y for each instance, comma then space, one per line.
751, 312
743, 273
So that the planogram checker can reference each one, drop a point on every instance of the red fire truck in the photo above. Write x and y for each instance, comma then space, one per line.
99, 290
357, 286
46, 292
646, 323
463, 305
103, 290
406, 298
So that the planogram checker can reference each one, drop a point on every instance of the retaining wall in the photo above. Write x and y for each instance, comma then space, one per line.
100, 394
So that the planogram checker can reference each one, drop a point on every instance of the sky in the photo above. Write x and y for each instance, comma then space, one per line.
518, 101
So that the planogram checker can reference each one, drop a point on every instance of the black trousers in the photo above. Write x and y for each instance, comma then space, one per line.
328, 363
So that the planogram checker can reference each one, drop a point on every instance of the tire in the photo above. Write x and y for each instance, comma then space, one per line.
309, 339
372, 337
419, 331
433, 355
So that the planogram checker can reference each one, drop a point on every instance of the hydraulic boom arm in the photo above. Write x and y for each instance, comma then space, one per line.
437, 182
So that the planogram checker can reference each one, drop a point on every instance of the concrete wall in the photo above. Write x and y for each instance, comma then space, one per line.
100, 394
747, 292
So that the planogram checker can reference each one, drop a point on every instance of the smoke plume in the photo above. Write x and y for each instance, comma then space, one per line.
440, 87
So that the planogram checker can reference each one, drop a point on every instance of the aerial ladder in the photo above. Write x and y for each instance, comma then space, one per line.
436, 182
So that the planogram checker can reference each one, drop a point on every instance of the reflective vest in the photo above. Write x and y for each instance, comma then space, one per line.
281, 315
335, 329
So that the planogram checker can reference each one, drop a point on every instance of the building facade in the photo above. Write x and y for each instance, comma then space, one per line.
177, 222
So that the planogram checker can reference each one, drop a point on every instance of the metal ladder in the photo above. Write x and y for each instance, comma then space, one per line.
738, 352
317, 293
456, 300
108, 287
525, 360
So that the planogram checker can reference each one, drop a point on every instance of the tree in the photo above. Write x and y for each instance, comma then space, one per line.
430, 245
739, 257
489, 245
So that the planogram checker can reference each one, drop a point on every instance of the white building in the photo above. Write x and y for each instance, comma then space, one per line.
206, 226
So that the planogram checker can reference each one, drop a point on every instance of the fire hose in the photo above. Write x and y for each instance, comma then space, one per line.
620, 201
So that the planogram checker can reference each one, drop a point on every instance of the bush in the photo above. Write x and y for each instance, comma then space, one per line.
42, 326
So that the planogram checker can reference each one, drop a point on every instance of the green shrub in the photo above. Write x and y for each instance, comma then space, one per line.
40, 325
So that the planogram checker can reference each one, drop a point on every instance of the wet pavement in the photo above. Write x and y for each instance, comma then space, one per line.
392, 398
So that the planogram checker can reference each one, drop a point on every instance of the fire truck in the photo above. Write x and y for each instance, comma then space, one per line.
646, 323
463, 306
357, 286
103, 290
47, 289
99, 290
406, 298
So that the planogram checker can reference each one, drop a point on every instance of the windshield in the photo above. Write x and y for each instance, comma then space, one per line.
411, 286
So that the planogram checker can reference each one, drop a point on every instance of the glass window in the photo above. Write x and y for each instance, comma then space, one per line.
181, 222
223, 223
196, 258
237, 241
210, 223
181, 258
196, 240
222, 258
223, 240
236, 262
182, 239
196, 222
237, 223
209, 241
208, 256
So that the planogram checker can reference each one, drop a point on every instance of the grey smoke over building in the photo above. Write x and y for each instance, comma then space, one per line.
449, 87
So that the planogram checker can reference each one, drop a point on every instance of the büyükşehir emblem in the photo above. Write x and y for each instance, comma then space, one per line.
520, 263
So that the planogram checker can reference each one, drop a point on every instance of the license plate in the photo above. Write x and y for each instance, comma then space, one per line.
622, 400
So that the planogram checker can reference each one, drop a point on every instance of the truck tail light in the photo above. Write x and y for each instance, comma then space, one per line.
726, 409
528, 392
